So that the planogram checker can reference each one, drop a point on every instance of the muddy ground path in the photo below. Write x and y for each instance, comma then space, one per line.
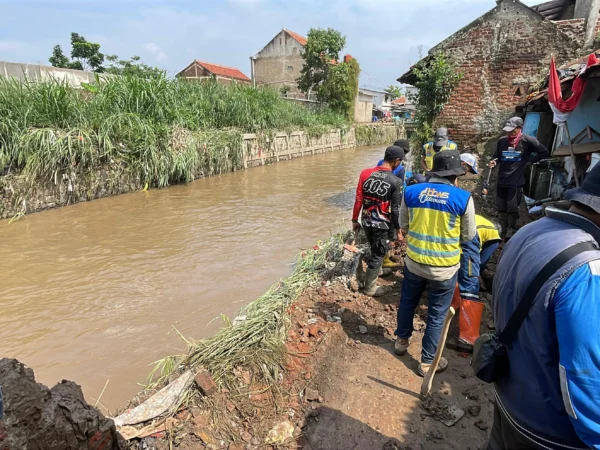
368, 398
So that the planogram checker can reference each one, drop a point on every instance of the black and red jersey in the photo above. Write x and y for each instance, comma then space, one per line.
379, 195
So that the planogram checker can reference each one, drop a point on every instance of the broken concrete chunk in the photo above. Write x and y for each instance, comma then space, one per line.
312, 395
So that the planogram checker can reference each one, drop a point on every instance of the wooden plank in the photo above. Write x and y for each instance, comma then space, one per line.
578, 149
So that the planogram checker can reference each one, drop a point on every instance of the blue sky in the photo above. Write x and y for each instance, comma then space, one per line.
383, 35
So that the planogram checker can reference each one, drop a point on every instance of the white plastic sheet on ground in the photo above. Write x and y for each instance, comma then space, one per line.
158, 404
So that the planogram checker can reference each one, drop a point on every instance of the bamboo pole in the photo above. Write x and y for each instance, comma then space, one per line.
572, 153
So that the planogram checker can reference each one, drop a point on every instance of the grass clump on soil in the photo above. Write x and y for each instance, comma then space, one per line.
162, 130
256, 339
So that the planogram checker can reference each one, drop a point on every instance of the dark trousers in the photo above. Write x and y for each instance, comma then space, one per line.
505, 436
508, 199
379, 241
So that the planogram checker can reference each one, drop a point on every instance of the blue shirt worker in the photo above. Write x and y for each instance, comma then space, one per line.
440, 143
399, 171
435, 217
549, 398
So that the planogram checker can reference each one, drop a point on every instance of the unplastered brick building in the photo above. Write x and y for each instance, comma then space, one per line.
501, 55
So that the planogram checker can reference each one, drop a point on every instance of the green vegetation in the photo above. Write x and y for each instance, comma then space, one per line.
335, 82
436, 79
393, 91
163, 131
87, 56
257, 341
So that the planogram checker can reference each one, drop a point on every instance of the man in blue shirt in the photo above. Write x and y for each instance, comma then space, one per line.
400, 171
550, 396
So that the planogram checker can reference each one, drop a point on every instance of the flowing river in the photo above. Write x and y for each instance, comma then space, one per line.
94, 291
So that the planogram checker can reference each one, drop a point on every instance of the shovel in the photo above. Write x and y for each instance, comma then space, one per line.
486, 184
428, 380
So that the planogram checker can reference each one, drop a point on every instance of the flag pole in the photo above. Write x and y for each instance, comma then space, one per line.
566, 125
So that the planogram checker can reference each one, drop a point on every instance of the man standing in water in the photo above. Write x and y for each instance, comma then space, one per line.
379, 195
512, 155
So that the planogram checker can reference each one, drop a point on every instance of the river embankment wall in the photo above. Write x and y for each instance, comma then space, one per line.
21, 194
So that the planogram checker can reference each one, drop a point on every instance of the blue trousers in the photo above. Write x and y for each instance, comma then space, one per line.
486, 254
439, 298
468, 274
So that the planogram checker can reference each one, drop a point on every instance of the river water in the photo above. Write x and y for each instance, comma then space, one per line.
92, 292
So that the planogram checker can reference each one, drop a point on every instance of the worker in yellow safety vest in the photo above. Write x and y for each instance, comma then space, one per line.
436, 217
440, 143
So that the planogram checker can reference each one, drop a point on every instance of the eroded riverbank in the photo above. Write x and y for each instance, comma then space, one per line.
92, 292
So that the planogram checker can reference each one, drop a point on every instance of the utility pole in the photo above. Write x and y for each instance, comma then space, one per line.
588, 10
252, 59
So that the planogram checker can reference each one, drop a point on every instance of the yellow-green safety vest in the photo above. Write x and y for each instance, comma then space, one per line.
430, 152
435, 212
487, 231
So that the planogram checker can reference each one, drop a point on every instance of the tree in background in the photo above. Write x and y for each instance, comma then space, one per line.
335, 82
134, 67
436, 79
393, 91
87, 56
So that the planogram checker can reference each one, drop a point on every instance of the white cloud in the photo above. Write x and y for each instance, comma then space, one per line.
155, 50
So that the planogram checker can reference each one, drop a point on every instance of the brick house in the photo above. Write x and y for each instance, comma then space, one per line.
502, 54
200, 70
279, 63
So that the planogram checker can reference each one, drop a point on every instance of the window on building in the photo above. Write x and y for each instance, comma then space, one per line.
290, 68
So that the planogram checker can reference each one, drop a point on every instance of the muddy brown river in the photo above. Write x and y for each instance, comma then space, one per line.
93, 292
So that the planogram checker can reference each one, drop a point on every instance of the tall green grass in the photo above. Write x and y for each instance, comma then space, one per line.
164, 130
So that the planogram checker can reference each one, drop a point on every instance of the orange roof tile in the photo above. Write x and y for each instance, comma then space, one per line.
224, 71
301, 39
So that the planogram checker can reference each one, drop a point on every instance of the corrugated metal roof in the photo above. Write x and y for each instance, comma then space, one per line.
224, 71
299, 38
554, 9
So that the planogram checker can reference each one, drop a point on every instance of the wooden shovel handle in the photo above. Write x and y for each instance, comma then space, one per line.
428, 380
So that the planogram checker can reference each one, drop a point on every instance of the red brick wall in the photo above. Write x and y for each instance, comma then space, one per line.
501, 55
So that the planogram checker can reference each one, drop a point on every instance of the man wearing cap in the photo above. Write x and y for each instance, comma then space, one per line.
440, 143
550, 395
469, 163
379, 195
437, 217
400, 171
513, 153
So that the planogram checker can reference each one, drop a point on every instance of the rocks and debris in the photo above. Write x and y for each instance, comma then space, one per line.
362, 329
34, 413
128, 432
205, 383
280, 433
474, 410
442, 411
481, 425
311, 395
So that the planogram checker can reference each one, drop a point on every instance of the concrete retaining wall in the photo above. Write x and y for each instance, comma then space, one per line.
36, 72
19, 196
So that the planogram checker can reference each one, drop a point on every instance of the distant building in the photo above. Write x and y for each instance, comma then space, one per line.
501, 56
279, 63
200, 70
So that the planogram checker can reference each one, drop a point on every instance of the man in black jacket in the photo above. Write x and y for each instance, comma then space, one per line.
379, 195
513, 153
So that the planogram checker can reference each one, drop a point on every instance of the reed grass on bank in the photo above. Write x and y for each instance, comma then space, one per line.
163, 130
257, 341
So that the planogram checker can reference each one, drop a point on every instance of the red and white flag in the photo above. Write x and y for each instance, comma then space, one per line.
560, 107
